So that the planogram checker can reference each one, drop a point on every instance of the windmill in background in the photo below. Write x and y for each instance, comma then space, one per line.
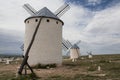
72, 49
43, 36
90, 55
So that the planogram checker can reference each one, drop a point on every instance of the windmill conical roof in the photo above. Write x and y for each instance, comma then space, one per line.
74, 47
44, 12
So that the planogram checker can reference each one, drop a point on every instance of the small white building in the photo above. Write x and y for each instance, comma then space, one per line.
8, 61
74, 53
99, 68
0, 59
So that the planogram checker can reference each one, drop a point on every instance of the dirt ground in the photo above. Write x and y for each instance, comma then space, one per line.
86, 69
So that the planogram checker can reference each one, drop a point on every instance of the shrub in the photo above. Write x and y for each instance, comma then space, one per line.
31, 76
92, 68
104, 61
44, 66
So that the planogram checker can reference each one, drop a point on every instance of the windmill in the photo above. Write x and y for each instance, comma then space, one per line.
90, 54
43, 36
71, 49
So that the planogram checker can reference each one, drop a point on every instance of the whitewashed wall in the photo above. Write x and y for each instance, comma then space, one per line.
74, 53
47, 46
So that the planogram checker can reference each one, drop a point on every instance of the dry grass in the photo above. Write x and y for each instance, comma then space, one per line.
85, 69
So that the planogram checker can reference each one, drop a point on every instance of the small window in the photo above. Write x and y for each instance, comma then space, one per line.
56, 22
27, 21
36, 20
48, 20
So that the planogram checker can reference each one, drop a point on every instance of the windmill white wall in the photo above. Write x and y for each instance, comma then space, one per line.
47, 46
74, 52
90, 56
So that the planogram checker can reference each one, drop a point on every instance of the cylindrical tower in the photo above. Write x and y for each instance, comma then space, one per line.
47, 45
74, 52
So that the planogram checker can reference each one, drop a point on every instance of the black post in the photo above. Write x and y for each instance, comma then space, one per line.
24, 62
25, 69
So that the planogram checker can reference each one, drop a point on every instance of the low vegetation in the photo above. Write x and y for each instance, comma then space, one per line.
31, 76
43, 66
82, 69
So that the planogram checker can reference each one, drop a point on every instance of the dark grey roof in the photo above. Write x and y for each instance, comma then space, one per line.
74, 47
44, 12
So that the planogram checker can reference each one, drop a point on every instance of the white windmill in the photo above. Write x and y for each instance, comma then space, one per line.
73, 50
43, 36
90, 55
46, 46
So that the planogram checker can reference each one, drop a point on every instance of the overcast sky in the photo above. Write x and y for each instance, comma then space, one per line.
95, 22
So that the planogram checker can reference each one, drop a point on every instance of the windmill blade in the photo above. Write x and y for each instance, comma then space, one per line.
64, 48
66, 43
68, 53
22, 47
68, 50
63, 43
29, 9
69, 43
60, 11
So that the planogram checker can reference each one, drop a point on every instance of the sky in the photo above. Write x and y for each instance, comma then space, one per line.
94, 22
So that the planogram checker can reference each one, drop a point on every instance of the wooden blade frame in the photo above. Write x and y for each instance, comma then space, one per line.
29, 9
60, 11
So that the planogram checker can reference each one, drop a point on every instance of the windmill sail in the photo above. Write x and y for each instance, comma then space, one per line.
64, 48
69, 45
68, 42
60, 11
22, 47
65, 44
29, 9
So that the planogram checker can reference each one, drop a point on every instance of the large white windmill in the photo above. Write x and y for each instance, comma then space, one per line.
72, 49
43, 36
